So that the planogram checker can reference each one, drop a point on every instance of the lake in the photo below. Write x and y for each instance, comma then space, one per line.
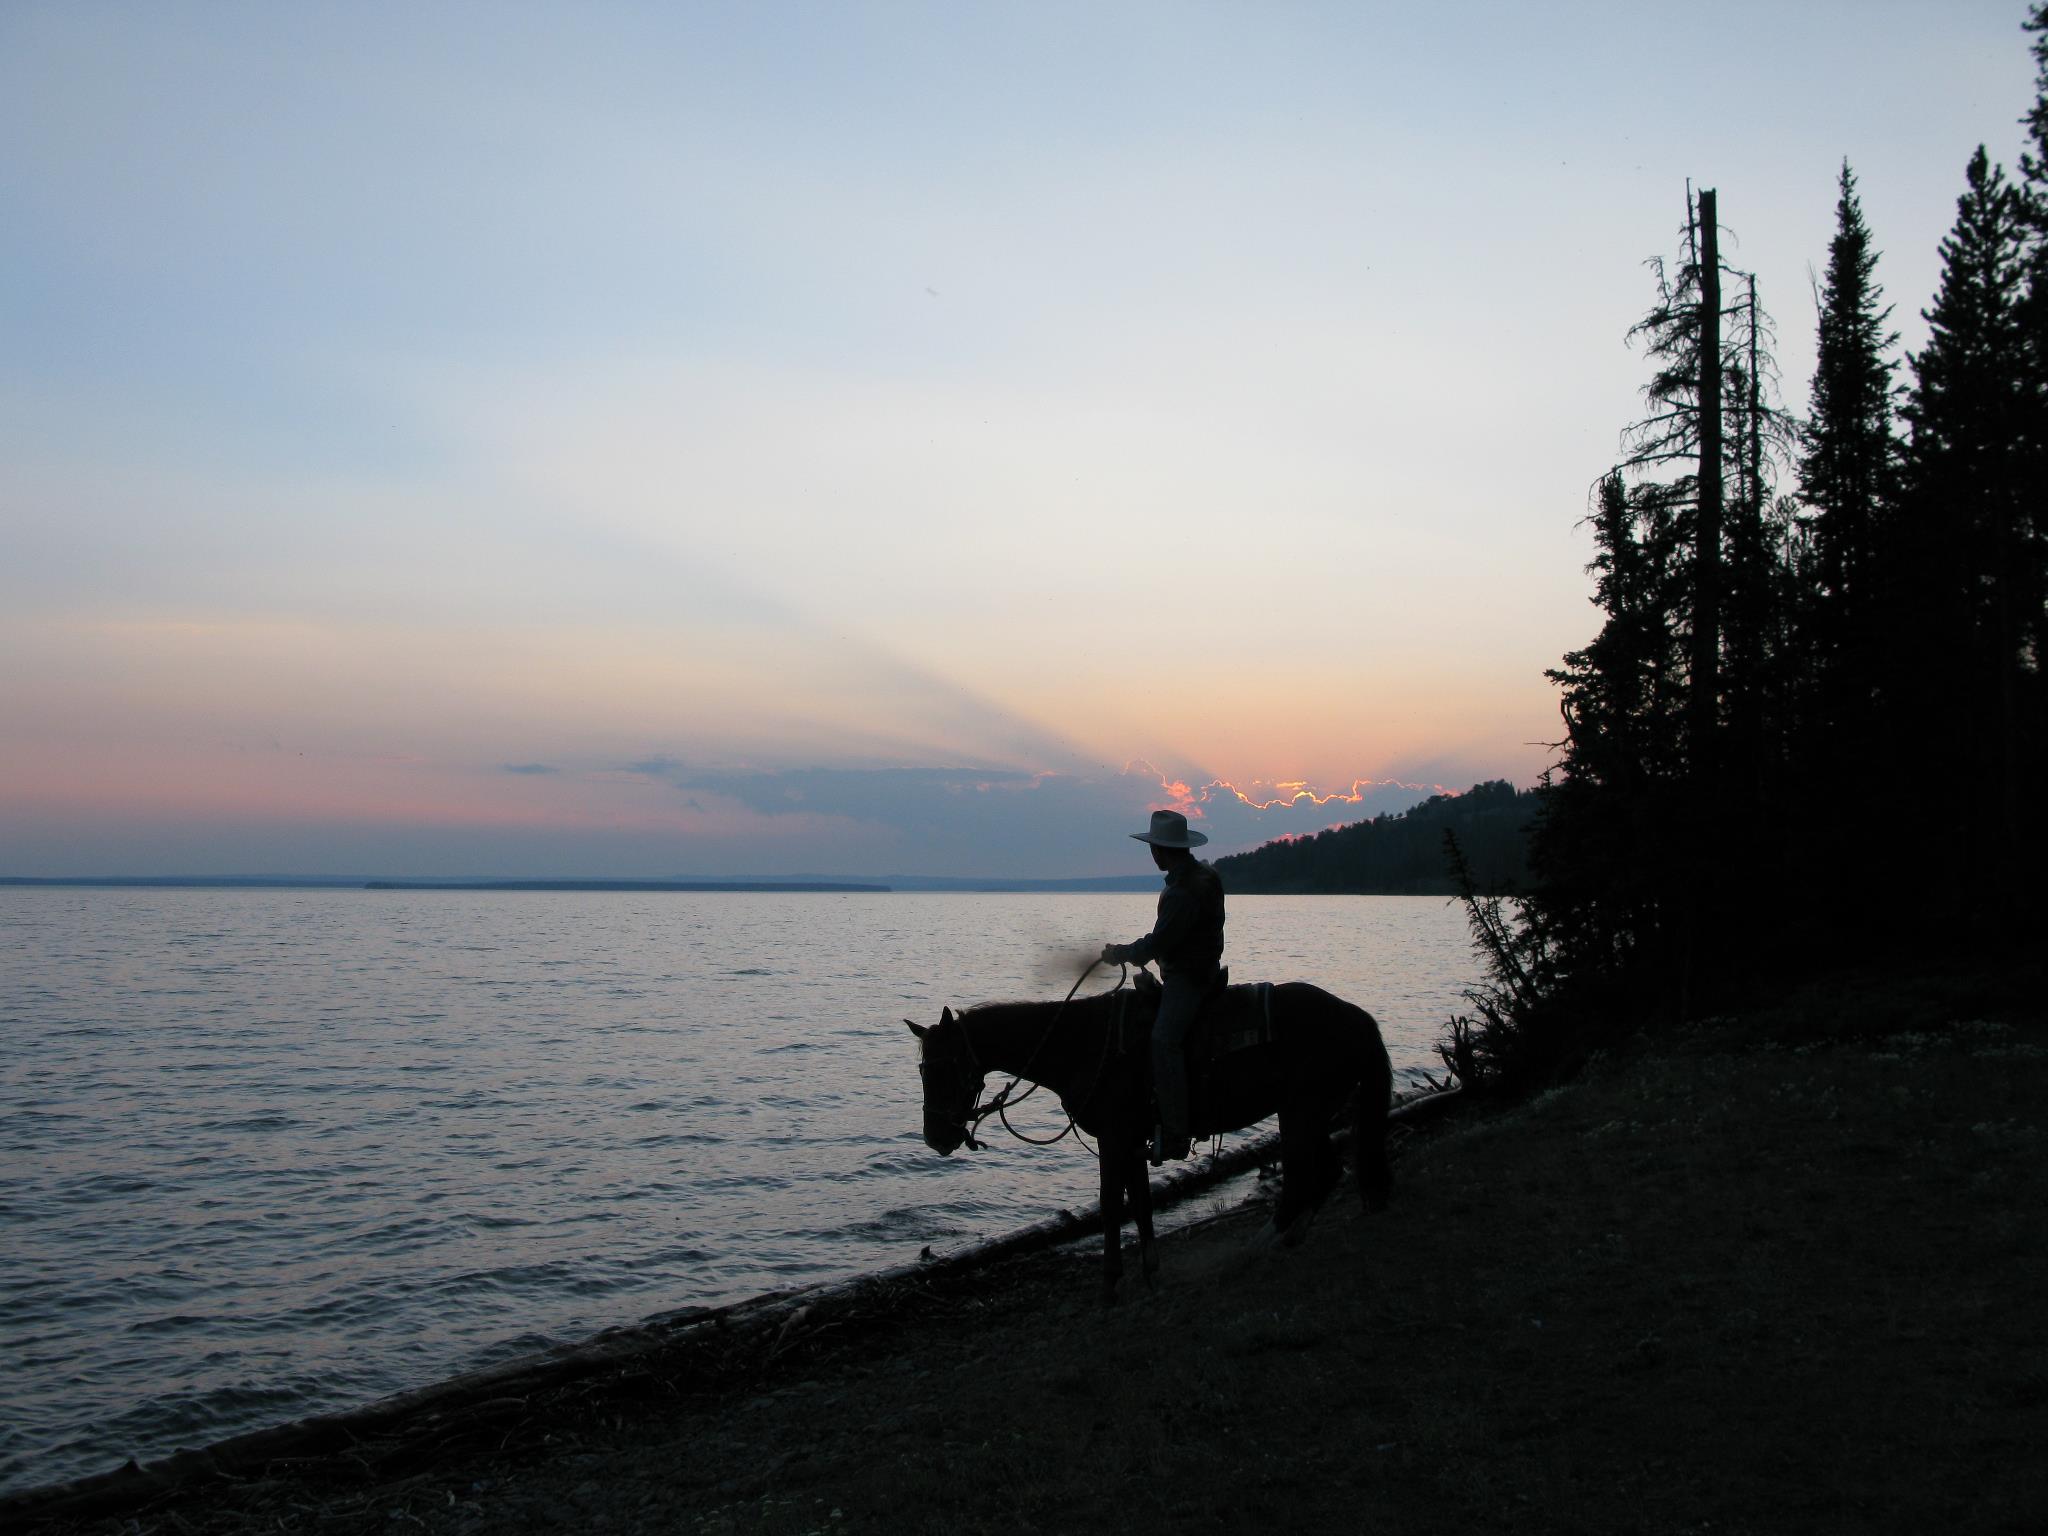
278, 1152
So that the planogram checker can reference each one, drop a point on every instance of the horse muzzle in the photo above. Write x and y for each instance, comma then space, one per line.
943, 1137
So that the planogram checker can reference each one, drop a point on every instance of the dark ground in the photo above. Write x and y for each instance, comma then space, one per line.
1776, 1273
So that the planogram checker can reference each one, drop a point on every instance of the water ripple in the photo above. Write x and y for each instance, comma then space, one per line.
273, 1153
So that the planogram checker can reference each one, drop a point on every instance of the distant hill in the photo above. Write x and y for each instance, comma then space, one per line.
1398, 855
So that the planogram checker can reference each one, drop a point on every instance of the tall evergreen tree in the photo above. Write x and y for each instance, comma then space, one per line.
1737, 446
1667, 780
1606, 846
2034, 162
1966, 582
2034, 208
1848, 448
2034, 404
1758, 641
1966, 378
1848, 471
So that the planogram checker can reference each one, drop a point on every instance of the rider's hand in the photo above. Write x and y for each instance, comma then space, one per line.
1112, 954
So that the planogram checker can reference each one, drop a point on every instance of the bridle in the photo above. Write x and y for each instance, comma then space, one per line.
961, 1124
968, 1075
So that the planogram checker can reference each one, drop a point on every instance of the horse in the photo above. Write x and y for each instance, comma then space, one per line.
1315, 1053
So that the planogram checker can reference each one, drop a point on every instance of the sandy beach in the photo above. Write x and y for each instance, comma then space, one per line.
1778, 1272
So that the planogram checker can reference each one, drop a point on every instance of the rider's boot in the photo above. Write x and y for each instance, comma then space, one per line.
1167, 1147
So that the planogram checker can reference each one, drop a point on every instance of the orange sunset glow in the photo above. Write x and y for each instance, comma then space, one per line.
1285, 793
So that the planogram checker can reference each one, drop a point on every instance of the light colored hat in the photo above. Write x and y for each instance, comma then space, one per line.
1169, 829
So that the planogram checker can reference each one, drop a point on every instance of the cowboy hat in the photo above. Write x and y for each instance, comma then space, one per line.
1170, 829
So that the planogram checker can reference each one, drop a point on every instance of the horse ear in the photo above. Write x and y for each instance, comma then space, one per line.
945, 1015
917, 1029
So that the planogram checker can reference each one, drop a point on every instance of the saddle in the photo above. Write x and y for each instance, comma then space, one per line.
1232, 1019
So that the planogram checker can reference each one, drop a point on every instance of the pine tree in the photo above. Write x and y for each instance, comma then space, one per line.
1604, 852
1762, 657
1719, 428
1966, 378
1848, 477
2034, 209
1849, 448
2034, 163
1965, 583
2034, 429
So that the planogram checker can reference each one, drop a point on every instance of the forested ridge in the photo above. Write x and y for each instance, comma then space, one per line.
1398, 855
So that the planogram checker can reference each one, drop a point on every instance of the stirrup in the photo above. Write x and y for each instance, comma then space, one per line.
1164, 1152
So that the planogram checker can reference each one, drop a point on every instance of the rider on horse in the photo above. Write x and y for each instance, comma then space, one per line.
1187, 941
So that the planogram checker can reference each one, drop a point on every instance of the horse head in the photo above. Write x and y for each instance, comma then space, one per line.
952, 1082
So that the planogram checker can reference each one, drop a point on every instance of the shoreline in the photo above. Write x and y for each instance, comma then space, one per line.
678, 1333
1773, 1271
508, 1203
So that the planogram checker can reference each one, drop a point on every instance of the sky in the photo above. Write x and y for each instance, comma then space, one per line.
641, 440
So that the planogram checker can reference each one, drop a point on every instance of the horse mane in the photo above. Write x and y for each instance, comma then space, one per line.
1004, 1007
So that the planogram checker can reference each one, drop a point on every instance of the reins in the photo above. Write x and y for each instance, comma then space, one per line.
999, 1106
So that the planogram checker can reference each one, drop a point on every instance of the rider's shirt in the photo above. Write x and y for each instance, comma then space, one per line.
1187, 937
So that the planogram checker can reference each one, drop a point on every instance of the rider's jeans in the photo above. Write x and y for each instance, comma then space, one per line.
1180, 999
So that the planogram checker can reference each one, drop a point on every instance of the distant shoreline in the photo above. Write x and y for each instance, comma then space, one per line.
885, 884
893, 885
325, 883
612, 885
191, 882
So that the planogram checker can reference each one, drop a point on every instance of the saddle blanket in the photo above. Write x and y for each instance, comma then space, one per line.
1233, 1019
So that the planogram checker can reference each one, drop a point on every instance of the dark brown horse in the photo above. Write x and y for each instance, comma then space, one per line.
1318, 1055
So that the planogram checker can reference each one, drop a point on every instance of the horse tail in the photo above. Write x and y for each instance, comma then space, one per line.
1369, 1123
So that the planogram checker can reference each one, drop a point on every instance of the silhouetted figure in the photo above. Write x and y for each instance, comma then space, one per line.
1187, 942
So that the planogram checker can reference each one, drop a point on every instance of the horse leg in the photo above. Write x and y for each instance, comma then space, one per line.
1369, 1129
1329, 1169
1375, 1176
1138, 1180
1111, 1183
1297, 1178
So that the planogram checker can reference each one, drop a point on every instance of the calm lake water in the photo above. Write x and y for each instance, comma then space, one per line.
271, 1153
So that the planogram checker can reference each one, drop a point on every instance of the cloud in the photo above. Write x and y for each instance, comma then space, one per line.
530, 768
1026, 824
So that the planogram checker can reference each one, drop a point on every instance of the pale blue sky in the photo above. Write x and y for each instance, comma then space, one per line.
389, 394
